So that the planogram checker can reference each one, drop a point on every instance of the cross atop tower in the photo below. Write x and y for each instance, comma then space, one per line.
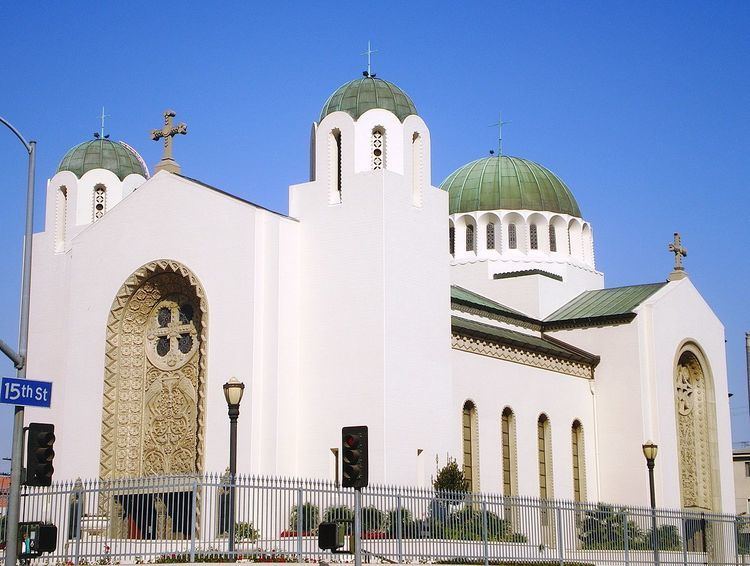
369, 53
499, 125
679, 252
101, 122
168, 131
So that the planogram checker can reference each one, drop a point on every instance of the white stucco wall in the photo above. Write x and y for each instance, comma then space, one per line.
175, 219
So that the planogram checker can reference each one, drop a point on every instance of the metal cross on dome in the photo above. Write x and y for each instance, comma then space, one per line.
679, 252
168, 131
369, 53
499, 125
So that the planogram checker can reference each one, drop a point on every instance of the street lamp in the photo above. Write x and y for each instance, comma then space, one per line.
19, 358
649, 451
233, 391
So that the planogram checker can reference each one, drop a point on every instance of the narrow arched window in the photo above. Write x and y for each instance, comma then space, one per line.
579, 484
490, 235
533, 237
512, 237
544, 457
508, 438
100, 202
378, 148
452, 240
334, 166
469, 435
552, 239
61, 218
470, 238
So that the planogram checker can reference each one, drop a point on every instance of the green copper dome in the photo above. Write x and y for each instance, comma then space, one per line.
360, 95
102, 154
508, 183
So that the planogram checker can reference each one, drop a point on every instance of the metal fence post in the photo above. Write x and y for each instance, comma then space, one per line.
399, 529
558, 529
626, 536
485, 534
78, 519
194, 520
299, 524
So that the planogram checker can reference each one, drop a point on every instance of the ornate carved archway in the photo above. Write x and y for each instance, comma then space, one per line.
153, 419
693, 398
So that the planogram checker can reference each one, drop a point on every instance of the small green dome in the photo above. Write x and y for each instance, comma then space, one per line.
360, 95
508, 183
102, 154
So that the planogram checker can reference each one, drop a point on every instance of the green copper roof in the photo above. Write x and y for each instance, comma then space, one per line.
508, 183
102, 154
541, 344
360, 95
604, 303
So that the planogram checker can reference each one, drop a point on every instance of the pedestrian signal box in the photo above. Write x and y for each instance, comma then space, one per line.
36, 538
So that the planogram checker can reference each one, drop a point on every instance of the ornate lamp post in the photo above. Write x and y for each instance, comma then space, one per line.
649, 451
233, 391
19, 358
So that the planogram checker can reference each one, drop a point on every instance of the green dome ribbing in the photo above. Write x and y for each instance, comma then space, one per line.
360, 95
508, 183
102, 154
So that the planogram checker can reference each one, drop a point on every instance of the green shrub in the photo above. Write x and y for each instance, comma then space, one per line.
340, 513
246, 531
373, 519
310, 517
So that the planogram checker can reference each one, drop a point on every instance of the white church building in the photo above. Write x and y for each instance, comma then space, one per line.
464, 320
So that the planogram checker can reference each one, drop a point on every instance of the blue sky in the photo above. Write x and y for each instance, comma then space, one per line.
641, 107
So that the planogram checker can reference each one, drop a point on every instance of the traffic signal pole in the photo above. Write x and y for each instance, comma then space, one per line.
357, 527
14, 497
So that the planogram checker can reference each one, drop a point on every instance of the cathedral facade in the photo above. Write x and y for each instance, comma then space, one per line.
466, 320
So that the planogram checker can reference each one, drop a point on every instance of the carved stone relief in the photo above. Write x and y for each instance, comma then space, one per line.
154, 400
692, 430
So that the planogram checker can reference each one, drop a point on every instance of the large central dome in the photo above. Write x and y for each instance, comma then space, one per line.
360, 95
508, 183
103, 154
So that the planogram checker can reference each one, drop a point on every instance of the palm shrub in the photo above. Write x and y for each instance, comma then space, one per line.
340, 513
373, 519
310, 517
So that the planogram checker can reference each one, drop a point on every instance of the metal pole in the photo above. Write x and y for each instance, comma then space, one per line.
747, 355
14, 498
357, 527
654, 541
234, 412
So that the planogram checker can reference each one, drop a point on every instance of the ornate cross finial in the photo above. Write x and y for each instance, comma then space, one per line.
168, 131
499, 125
102, 117
679, 252
369, 53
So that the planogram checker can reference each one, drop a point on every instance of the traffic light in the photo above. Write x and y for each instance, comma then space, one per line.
354, 456
40, 454
35, 537
331, 535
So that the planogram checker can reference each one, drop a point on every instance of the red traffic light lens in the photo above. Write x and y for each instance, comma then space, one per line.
351, 441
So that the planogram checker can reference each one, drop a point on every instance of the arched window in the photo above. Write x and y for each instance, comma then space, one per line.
417, 168
579, 478
378, 148
452, 240
100, 202
508, 439
470, 241
533, 237
61, 218
334, 167
544, 457
552, 239
490, 235
469, 436
512, 237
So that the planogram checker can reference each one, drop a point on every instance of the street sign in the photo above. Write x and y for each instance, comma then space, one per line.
15, 391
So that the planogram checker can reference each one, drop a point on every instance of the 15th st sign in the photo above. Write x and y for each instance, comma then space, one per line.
27, 392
